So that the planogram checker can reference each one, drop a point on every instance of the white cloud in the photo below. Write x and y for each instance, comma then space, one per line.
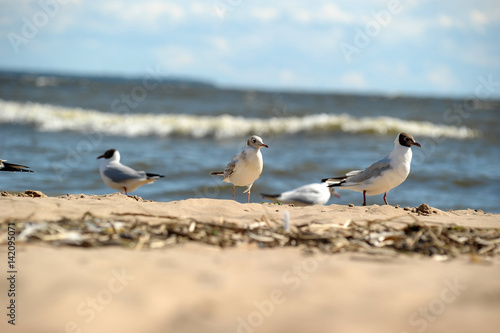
314, 13
406, 28
287, 76
200, 8
478, 54
331, 12
445, 21
222, 45
353, 80
301, 15
265, 14
442, 77
478, 20
395, 70
174, 58
144, 11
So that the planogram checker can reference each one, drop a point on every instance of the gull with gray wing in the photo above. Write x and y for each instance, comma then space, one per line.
246, 167
121, 177
383, 175
310, 194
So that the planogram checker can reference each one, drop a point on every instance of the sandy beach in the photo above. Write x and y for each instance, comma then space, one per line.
190, 286
186, 105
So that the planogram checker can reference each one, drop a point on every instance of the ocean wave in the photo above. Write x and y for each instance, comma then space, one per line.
51, 118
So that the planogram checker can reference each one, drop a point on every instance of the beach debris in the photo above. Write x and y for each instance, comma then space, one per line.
27, 193
30, 229
286, 221
35, 194
389, 236
424, 209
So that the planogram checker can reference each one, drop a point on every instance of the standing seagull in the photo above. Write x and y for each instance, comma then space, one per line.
120, 177
381, 176
245, 168
4, 166
310, 194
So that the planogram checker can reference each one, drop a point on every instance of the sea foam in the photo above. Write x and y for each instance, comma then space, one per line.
52, 118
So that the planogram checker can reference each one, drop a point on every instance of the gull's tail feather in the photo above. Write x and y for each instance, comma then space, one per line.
270, 196
15, 167
334, 181
154, 175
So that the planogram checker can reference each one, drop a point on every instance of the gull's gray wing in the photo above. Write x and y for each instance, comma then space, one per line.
123, 173
231, 166
372, 171
354, 173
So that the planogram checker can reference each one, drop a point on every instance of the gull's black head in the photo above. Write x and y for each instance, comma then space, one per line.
407, 140
108, 154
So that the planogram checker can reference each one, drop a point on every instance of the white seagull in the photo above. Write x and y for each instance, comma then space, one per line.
246, 167
120, 177
381, 176
311, 194
4, 166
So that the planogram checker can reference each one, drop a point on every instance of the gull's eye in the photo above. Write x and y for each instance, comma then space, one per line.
254, 141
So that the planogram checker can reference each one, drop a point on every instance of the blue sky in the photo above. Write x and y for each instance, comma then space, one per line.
367, 46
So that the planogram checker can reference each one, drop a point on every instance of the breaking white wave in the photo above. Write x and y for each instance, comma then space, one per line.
51, 118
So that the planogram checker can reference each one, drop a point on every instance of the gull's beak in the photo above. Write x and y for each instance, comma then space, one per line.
100, 157
416, 144
333, 192
264, 145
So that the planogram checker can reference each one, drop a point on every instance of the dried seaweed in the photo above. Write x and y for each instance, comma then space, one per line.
388, 237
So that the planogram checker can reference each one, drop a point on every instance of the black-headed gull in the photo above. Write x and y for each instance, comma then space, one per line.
310, 194
246, 167
4, 166
121, 177
381, 176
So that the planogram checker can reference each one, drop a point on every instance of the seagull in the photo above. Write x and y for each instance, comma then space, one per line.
4, 166
310, 194
120, 177
245, 168
381, 176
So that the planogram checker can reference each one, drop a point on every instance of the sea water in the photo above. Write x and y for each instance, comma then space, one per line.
59, 125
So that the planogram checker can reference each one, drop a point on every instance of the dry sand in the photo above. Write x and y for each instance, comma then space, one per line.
200, 288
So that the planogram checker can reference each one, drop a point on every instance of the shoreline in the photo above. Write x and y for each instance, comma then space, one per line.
34, 205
